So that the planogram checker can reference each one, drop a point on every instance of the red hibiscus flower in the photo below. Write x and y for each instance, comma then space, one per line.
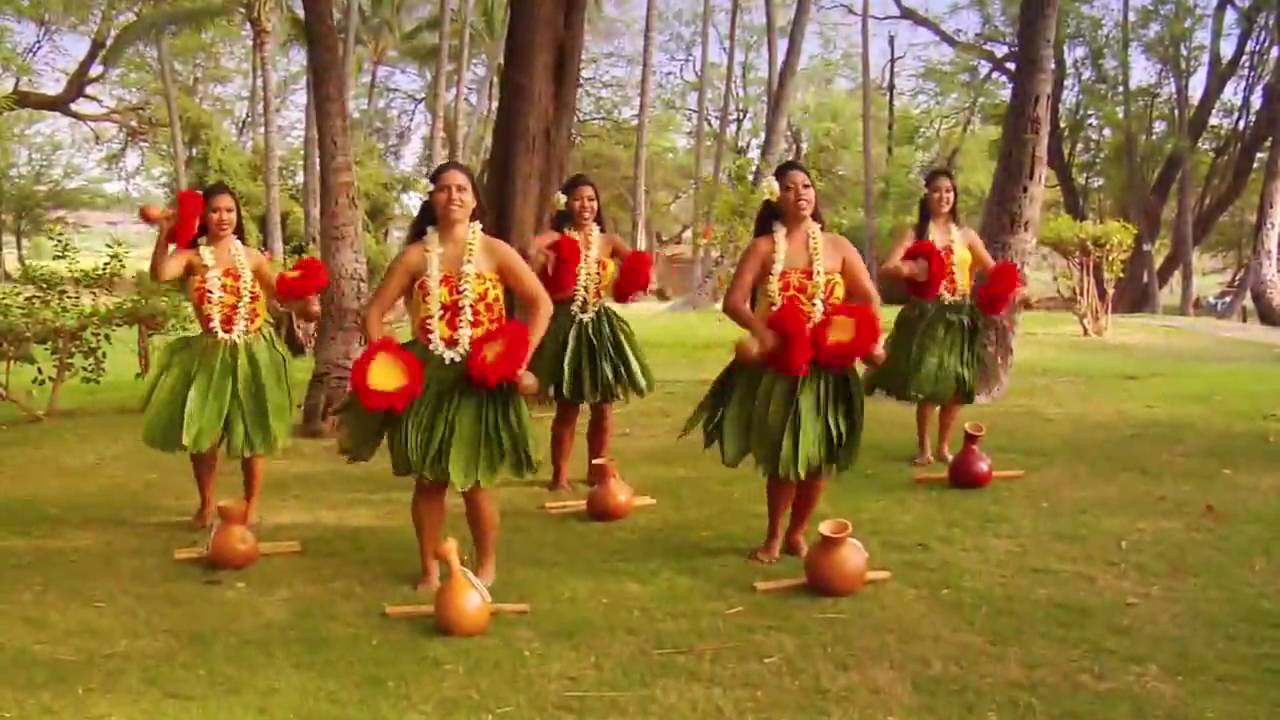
846, 333
386, 377
498, 356
307, 277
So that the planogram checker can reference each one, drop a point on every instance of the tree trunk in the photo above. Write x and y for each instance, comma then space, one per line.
868, 168
485, 96
340, 336
726, 101
171, 108
17, 246
441, 91
1264, 288
458, 141
251, 126
776, 122
484, 106
311, 171
261, 23
370, 94
638, 204
771, 44
352, 27
1139, 288
699, 138
535, 114
1011, 217
1130, 138
1182, 231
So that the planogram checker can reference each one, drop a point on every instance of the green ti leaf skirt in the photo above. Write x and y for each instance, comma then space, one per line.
203, 391
932, 354
453, 432
793, 427
590, 361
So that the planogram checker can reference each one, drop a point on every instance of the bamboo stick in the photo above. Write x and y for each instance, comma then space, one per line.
873, 576
411, 611
997, 475
277, 547
640, 501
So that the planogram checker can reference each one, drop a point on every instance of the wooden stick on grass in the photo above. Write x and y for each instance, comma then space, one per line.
873, 576
278, 547
640, 501
411, 611
997, 475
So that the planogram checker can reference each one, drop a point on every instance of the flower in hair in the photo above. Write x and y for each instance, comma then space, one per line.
769, 187
559, 200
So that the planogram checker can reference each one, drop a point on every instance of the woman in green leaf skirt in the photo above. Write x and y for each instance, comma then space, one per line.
799, 419
933, 348
453, 428
229, 385
590, 355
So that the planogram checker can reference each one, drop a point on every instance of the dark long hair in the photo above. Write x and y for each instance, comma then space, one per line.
212, 191
426, 216
769, 212
564, 218
923, 216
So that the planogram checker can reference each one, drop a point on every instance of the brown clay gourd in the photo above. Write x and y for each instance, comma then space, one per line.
837, 564
527, 383
232, 546
462, 604
610, 498
152, 214
970, 468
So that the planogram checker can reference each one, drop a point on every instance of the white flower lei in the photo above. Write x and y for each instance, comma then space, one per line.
466, 290
213, 293
588, 282
816, 261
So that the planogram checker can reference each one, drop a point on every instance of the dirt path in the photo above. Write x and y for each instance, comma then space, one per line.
1252, 332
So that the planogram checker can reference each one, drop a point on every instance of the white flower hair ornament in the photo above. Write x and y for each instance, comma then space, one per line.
559, 201
428, 188
769, 188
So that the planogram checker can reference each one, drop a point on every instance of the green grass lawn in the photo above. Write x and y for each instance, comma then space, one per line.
1132, 574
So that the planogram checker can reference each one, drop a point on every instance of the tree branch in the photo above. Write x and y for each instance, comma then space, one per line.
76, 86
998, 62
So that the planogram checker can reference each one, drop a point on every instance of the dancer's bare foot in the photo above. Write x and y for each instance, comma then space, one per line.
922, 458
796, 545
203, 517
251, 514
944, 455
768, 552
430, 580
560, 486
487, 573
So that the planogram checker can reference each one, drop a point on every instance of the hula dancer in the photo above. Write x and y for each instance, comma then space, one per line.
793, 400
229, 385
590, 355
447, 401
933, 348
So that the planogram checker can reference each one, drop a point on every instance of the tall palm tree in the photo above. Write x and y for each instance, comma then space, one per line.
261, 16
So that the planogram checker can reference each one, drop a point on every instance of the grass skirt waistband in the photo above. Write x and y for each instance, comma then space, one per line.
454, 431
